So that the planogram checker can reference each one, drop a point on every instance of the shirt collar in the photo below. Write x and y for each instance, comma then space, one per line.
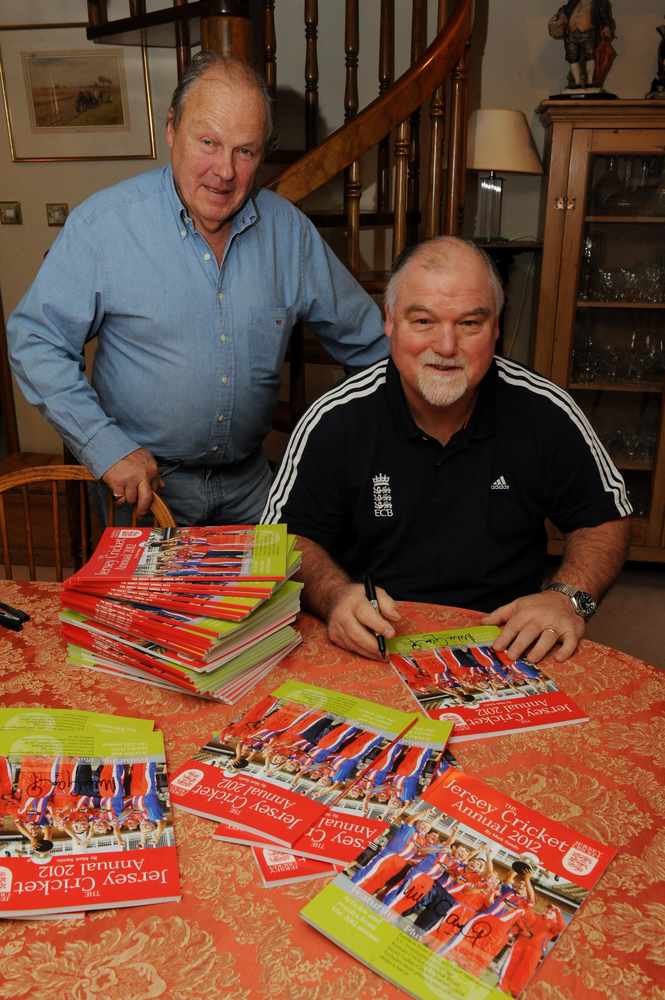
243, 219
481, 424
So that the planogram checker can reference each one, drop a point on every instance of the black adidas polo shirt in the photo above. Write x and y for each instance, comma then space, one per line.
460, 524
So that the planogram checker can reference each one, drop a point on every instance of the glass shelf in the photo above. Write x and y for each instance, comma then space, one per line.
599, 385
597, 304
612, 219
633, 464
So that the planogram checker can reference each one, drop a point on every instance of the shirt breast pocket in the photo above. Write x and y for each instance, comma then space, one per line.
511, 517
269, 333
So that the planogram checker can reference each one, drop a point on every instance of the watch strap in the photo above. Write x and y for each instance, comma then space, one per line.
583, 603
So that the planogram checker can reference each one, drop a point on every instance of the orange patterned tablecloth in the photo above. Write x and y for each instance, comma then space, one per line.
230, 939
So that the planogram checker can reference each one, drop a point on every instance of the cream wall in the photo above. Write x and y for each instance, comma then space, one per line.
34, 184
514, 65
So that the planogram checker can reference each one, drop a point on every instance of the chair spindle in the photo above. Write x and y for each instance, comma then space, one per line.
6, 556
28, 533
55, 515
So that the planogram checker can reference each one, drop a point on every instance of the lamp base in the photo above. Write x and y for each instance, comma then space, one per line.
488, 219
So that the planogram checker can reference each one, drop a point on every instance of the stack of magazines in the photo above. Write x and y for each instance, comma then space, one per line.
86, 814
206, 611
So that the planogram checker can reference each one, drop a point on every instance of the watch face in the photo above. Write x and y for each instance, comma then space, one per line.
585, 603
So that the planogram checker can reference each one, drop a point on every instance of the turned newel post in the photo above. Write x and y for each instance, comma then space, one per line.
97, 12
227, 29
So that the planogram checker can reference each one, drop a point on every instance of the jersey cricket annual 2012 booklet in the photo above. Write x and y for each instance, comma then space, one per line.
457, 675
276, 866
247, 552
464, 896
313, 770
281, 868
80, 809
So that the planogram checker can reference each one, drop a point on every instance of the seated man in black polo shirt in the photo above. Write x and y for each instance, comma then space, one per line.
436, 469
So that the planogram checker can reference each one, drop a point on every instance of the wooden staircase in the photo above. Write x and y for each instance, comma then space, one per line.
415, 129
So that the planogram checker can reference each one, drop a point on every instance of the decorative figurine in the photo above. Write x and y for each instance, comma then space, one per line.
587, 28
657, 90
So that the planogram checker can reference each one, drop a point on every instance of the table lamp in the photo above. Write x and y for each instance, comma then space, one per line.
497, 140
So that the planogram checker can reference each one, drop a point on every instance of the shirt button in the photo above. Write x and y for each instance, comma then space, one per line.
183, 233
220, 296
222, 339
225, 379
220, 418
206, 256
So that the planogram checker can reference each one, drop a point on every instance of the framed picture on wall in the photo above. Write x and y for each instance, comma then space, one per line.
66, 98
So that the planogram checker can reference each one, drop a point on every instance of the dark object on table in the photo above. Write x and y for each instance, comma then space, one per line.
657, 89
587, 30
12, 618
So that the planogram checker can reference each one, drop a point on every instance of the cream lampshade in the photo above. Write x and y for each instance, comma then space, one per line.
498, 139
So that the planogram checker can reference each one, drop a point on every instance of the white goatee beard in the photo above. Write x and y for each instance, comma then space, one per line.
439, 391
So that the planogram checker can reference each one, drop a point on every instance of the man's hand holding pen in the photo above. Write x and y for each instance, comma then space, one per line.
354, 623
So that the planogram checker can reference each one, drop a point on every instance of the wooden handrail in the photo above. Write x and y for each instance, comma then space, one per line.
356, 137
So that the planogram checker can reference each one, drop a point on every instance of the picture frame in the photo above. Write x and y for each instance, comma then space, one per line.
56, 213
66, 98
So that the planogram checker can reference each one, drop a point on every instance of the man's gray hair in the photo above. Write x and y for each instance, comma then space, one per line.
433, 255
235, 70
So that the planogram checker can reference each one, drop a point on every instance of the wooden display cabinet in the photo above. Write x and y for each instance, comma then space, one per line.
601, 316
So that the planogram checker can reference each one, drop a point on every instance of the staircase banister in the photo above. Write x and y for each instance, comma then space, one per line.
409, 92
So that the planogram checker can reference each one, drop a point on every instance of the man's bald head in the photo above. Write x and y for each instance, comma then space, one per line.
439, 254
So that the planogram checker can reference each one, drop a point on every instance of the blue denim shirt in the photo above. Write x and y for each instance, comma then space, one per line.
189, 353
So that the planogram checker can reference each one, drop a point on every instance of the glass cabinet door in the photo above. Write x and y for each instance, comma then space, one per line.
610, 349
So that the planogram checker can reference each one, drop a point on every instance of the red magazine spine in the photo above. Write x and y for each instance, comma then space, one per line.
123, 655
136, 642
137, 623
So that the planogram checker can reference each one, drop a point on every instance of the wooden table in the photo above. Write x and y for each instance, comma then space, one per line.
230, 939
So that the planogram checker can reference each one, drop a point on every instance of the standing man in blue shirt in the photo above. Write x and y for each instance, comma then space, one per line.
192, 281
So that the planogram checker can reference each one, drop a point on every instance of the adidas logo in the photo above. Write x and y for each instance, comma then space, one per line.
500, 484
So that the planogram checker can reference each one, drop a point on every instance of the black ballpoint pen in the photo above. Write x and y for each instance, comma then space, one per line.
370, 594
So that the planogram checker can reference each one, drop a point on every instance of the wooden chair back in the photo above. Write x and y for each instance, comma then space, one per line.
77, 513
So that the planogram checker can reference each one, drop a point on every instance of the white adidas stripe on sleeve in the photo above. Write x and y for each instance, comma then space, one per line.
362, 384
517, 375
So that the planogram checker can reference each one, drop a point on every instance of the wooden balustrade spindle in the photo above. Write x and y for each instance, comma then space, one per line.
456, 150
402, 148
311, 73
418, 45
351, 49
228, 33
97, 12
386, 77
183, 49
270, 47
437, 112
352, 183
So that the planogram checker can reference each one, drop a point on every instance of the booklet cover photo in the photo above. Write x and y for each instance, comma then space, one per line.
458, 676
464, 896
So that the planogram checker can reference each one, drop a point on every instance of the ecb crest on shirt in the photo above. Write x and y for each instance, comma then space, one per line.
383, 500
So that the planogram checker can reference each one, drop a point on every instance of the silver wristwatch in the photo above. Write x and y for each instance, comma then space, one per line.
582, 602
